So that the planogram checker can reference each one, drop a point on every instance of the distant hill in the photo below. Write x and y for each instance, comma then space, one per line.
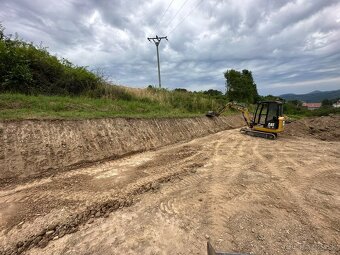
314, 96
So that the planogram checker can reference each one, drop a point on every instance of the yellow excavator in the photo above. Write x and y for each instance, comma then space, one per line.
267, 121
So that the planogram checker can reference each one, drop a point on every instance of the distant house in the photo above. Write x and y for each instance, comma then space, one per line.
337, 104
312, 106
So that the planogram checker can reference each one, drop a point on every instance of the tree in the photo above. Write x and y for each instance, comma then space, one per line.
213, 92
326, 102
2, 35
271, 98
180, 90
241, 86
296, 103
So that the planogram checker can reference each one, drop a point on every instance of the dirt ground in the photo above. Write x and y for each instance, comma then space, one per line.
242, 193
41, 148
326, 128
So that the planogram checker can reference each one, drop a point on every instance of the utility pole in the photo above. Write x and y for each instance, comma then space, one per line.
157, 40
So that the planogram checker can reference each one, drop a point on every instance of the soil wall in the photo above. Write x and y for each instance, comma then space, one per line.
31, 148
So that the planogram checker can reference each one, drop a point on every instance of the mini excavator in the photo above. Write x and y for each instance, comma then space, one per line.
267, 121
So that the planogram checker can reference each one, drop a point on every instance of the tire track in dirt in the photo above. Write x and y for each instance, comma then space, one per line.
168, 206
275, 170
220, 188
258, 181
169, 171
81, 218
49, 192
252, 181
292, 187
185, 194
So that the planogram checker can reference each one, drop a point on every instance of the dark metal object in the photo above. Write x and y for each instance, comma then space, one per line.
157, 40
211, 114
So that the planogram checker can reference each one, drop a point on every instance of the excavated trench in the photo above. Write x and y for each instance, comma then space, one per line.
245, 194
37, 156
36, 148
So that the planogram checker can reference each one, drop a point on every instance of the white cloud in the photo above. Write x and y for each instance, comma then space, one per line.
286, 44
306, 83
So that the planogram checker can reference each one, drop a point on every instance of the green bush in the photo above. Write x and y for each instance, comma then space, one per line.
28, 69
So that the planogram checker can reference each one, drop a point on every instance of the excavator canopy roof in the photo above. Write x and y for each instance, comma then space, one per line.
266, 102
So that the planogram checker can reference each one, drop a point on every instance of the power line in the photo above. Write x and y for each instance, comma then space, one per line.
160, 20
173, 18
189, 13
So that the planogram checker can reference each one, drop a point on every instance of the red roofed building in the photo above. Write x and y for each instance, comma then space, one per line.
312, 106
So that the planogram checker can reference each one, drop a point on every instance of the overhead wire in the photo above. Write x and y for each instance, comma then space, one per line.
182, 20
162, 16
178, 11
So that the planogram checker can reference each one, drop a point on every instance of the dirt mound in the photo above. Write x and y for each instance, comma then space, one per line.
325, 128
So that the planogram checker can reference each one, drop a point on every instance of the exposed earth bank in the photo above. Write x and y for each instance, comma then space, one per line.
34, 148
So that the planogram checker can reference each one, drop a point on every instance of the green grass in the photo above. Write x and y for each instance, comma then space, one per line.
19, 106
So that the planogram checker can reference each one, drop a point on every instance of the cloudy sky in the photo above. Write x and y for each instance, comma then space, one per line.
290, 46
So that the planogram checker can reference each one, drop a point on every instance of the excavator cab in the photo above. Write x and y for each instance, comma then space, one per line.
268, 117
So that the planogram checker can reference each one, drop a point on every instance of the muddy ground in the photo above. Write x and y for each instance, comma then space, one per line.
242, 193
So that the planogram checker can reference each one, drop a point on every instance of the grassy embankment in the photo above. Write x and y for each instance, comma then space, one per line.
159, 104
36, 84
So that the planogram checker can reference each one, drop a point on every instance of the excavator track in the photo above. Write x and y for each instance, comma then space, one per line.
255, 133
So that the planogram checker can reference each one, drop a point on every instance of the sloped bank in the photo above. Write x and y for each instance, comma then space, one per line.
31, 148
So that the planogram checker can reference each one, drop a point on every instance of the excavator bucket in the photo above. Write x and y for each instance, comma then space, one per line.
212, 114
211, 251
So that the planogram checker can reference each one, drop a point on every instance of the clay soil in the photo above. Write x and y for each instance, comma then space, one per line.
242, 193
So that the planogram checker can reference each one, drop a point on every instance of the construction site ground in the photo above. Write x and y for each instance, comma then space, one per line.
244, 194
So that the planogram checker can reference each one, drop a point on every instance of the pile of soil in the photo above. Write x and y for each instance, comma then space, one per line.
325, 128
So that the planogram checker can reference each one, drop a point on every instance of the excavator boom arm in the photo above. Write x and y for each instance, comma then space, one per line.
242, 109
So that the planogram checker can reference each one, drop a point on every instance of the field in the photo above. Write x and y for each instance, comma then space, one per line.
244, 194
124, 102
